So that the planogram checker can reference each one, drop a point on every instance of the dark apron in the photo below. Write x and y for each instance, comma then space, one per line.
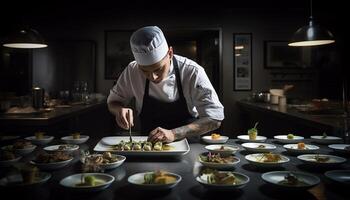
156, 113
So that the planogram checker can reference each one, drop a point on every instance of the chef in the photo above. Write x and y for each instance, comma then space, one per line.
173, 95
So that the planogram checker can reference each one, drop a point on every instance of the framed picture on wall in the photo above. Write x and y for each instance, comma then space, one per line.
242, 61
277, 54
117, 52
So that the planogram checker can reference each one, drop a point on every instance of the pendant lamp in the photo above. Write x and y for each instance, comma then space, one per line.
311, 34
25, 39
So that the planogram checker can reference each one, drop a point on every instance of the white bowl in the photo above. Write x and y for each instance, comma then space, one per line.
45, 140
219, 165
71, 147
339, 176
112, 165
284, 139
340, 148
257, 159
254, 147
227, 149
245, 138
138, 181
72, 181
293, 148
203, 180
277, 177
311, 159
221, 140
326, 140
51, 165
71, 140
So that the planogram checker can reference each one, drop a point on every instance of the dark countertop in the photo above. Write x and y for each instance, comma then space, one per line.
48, 118
188, 188
333, 120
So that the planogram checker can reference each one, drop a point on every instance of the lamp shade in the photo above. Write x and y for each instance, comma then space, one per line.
25, 39
311, 35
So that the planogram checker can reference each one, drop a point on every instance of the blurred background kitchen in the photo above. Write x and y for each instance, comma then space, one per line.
88, 46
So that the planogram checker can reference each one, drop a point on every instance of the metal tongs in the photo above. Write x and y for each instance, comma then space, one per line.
129, 119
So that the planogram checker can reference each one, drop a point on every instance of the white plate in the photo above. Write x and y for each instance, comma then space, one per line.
326, 140
222, 139
254, 147
52, 165
72, 147
219, 165
256, 158
17, 181
178, 148
284, 139
275, 178
340, 147
203, 180
112, 165
340, 176
310, 159
138, 181
21, 152
245, 138
71, 140
45, 140
227, 149
72, 181
7, 163
293, 148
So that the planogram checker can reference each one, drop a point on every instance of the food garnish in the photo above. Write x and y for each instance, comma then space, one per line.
89, 181
290, 136
159, 177
324, 135
270, 157
321, 159
301, 145
253, 132
215, 136
261, 146
221, 178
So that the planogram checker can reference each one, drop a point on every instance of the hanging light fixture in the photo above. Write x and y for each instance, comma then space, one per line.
311, 35
25, 39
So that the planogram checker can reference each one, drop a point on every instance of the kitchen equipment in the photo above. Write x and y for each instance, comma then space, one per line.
261, 96
38, 97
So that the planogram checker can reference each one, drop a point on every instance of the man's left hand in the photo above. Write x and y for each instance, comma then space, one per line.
161, 135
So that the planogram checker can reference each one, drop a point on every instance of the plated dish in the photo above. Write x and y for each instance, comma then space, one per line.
222, 149
20, 150
342, 148
321, 159
301, 148
266, 159
112, 143
87, 182
246, 138
40, 141
52, 161
291, 179
215, 139
290, 138
75, 138
339, 176
217, 161
105, 160
325, 139
222, 180
62, 147
258, 147
18, 181
157, 180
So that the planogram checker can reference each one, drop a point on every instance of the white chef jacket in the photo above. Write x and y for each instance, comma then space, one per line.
201, 98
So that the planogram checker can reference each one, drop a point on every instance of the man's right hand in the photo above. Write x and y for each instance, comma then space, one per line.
123, 119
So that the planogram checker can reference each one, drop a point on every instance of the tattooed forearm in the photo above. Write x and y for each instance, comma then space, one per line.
198, 127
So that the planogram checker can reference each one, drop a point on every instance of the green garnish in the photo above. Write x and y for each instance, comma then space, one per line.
324, 135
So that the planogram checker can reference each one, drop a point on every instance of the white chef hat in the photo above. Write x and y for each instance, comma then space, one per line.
148, 45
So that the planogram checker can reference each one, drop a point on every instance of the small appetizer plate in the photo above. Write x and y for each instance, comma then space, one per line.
226, 161
222, 149
308, 148
51, 165
245, 138
75, 182
208, 139
291, 179
321, 159
240, 180
70, 140
43, 141
119, 161
339, 176
258, 147
138, 180
259, 159
342, 148
326, 139
62, 147
284, 139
